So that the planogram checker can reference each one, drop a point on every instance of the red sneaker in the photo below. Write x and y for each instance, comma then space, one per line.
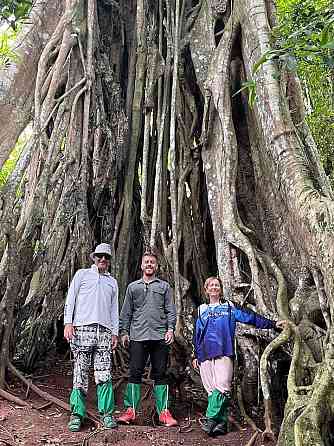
128, 416
166, 419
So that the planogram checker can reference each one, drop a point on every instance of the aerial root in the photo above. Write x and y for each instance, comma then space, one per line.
47, 396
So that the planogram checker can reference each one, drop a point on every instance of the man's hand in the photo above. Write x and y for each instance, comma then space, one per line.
125, 341
169, 337
114, 342
195, 363
68, 332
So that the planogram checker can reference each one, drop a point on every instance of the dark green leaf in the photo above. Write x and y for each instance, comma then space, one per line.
329, 45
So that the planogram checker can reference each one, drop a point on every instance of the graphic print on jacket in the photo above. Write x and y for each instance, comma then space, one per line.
215, 328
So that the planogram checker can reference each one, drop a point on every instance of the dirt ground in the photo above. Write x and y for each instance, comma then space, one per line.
40, 425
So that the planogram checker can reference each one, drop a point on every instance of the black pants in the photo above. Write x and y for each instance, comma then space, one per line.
139, 353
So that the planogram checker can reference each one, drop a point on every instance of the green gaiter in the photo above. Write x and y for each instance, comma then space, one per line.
215, 406
105, 398
132, 395
161, 397
78, 403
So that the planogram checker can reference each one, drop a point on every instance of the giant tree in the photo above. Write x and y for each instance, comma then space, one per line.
143, 134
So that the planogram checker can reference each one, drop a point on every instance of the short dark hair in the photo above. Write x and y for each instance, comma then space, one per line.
150, 253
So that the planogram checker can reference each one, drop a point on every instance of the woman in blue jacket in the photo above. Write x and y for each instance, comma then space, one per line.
213, 342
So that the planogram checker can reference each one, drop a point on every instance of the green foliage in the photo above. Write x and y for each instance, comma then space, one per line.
10, 164
320, 115
305, 34
303, 42
12, 11
250, 86
305, 31
7, 51
12, 14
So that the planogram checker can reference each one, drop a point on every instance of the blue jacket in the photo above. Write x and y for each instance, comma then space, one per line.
215, 329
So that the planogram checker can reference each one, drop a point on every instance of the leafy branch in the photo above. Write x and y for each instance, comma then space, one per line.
13, 11
7, 53
307, 35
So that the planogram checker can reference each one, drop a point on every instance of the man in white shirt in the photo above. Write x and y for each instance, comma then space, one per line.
91, 326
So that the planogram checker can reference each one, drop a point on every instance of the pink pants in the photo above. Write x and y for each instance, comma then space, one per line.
217, 374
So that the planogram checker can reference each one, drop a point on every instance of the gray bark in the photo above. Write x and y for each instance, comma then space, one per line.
17, 82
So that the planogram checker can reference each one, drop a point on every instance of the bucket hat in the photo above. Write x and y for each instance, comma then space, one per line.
102, 248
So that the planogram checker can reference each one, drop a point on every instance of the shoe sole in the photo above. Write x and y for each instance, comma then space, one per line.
217, 434
208, 431
74, 430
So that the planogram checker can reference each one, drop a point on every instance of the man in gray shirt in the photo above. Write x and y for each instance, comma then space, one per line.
147, 323
91, 326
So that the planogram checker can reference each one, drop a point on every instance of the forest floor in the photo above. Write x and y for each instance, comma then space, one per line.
47, 425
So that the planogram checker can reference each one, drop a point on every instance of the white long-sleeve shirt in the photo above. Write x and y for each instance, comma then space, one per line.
92, 298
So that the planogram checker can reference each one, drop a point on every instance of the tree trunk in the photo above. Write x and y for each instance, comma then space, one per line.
17, 82
146, 94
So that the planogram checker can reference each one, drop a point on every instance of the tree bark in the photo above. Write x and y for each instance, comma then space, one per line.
17, 82
233, 186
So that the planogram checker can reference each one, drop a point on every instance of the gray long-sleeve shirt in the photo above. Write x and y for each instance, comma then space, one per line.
92, 299
148, 310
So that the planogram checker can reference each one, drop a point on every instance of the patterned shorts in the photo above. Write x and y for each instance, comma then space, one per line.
91, 345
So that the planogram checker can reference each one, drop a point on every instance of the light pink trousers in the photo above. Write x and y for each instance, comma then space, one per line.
217, 374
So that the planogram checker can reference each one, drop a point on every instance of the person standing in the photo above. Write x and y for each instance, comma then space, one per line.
214, 351
91, 327
147, 324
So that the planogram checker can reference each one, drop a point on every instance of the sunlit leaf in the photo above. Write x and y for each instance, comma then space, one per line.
329, 45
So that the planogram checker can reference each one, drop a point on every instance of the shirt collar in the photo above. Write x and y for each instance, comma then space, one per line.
95, 269
156, 279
